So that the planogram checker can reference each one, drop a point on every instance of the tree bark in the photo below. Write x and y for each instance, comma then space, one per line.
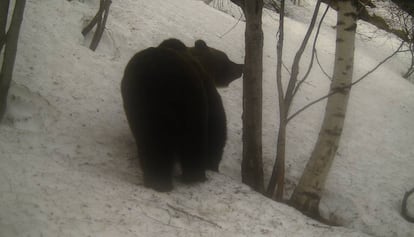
278, 175
4, 10
10, 54
252, 164
307, 194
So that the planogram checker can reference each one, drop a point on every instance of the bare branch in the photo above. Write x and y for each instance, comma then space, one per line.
234, 26
239, 3
334, 91
313, 51
194, 216
93, 22
101, 25
321, 67
378, 65
295, 66
286, 68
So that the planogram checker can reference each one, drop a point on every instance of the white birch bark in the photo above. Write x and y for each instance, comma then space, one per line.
307, 194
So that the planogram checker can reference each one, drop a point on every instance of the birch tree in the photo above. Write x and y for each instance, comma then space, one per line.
307, 194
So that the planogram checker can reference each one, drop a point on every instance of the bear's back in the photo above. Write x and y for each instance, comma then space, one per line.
162, 73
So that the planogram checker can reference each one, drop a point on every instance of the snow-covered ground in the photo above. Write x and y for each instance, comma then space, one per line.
68, 162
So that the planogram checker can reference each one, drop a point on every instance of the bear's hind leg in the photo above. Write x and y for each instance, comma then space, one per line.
193, 150
192, 165
157, 167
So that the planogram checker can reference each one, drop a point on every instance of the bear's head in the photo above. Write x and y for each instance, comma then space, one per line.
216, 63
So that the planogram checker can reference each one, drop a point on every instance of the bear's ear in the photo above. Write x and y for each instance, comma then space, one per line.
201, 45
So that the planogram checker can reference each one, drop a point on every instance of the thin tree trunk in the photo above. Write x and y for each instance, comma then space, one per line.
277, 179
410, 70
278, 174
252, 164
10, 54
279, 163
4, 10
307, 194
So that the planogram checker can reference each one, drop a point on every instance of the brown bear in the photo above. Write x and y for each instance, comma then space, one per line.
175, 111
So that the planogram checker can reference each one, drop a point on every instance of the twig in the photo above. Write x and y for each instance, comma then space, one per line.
296, 61
379, 64
313, 52
286, 68
159, 221
194, 216
404, 211
234, 26
321, 67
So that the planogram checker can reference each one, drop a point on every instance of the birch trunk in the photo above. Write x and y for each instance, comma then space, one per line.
307, 194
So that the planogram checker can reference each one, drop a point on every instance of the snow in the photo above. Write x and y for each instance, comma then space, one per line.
68, 160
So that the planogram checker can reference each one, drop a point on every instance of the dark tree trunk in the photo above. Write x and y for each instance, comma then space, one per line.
4, 10
252, 164
12, 37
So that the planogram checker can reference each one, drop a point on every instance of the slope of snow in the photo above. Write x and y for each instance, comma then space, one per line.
68, 161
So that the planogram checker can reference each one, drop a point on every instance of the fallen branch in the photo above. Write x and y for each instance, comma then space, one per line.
93, 22
100, 21
194, 216
101, 27
404, 211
